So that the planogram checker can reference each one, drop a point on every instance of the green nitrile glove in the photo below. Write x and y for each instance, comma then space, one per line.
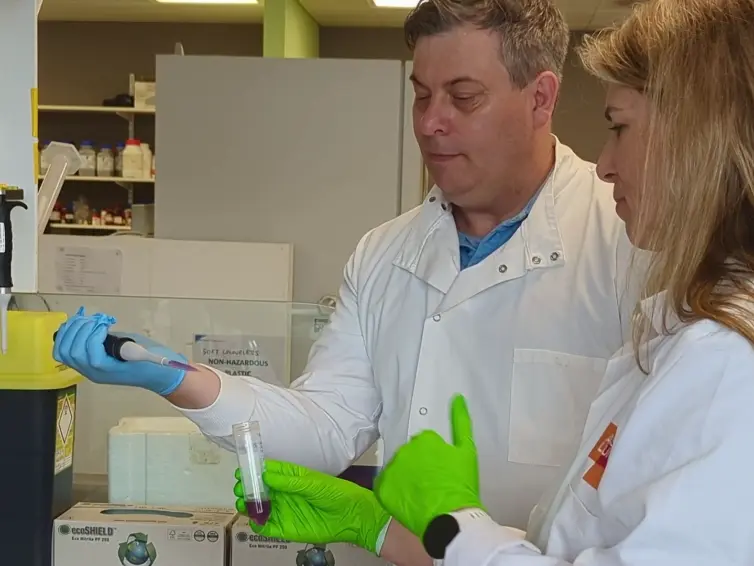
428, 477
315, 508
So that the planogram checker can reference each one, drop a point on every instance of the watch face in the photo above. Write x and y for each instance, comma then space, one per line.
315, 556
439, 534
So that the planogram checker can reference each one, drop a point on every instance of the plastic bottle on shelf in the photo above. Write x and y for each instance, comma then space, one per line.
133, 161
153, 169
146, 166
55, 215
81, 211
105, 162
88, 159
119, 147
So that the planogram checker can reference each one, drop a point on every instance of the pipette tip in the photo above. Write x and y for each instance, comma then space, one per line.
4, 302
180, 365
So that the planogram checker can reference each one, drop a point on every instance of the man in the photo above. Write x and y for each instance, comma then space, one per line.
502, 286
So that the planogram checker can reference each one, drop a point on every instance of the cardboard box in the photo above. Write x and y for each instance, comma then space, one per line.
145, 95
250, 549
140, 535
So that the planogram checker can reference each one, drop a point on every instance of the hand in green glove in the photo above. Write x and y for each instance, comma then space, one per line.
428, 477
315, 508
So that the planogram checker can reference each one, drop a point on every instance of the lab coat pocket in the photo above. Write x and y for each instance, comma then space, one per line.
550, 397
575, 528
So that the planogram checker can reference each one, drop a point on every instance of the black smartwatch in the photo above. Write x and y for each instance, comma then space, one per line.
444, 528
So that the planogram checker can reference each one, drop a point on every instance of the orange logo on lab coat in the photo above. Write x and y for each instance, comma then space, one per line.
600, 455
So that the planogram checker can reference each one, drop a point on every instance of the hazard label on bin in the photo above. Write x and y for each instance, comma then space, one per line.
64, 431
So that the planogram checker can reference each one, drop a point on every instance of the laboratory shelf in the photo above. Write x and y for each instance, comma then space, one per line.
99, 109
107, 228
100, 116
104, 179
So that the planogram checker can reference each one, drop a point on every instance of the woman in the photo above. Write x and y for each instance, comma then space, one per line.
663, 475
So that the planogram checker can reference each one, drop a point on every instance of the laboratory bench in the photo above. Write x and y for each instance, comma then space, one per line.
89, 488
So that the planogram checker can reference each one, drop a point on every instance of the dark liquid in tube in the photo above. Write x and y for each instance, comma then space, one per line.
258, 511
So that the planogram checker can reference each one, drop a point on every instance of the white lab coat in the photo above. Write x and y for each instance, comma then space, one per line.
525, 335
664, 473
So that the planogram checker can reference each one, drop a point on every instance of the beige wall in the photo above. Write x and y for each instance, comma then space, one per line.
363, 43
83, 63
579, 120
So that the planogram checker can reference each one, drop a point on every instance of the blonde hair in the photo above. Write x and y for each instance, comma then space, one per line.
533, 33
694, 60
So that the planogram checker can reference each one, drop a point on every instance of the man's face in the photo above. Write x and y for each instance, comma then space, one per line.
474, 127
623, 157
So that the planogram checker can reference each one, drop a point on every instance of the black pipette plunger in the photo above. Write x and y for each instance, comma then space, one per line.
126, 349
113, 345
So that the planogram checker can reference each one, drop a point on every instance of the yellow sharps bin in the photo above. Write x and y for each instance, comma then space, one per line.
37, 413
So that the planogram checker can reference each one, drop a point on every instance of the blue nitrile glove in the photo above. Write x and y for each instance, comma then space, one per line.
80, 345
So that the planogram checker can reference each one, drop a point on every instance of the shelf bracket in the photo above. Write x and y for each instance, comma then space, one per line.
129, 188
131, 119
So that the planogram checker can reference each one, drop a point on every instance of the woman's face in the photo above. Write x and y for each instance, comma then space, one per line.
623, 158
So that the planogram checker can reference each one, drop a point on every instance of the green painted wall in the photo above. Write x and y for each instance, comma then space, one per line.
289, 30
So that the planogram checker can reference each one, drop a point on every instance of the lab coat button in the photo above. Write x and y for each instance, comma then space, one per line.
536, 260
554, 256
423, 411
436, 318
502, 268
444, 206
432, 199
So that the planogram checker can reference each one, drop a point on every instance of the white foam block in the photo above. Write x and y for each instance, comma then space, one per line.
167, 461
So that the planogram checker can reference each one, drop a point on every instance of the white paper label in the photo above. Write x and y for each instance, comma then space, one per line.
88, 271
262, 357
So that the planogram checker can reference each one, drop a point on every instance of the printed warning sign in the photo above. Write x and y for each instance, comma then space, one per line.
66, 416
262, 357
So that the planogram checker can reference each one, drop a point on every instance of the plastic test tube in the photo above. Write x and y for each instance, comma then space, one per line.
248, 439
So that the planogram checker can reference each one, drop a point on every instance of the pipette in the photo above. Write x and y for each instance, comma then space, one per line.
126, 349
10, 198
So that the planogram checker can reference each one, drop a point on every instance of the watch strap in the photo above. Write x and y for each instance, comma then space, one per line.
444, 528
466, 517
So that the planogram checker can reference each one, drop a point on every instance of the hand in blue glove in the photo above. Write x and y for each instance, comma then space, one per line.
80, 345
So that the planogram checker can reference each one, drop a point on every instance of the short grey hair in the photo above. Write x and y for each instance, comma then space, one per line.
534, 35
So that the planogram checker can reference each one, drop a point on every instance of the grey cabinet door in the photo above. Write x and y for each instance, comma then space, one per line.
306, 151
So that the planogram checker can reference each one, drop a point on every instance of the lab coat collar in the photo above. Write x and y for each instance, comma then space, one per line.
542, 239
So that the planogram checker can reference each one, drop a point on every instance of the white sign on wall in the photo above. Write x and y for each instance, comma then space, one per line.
262, 357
